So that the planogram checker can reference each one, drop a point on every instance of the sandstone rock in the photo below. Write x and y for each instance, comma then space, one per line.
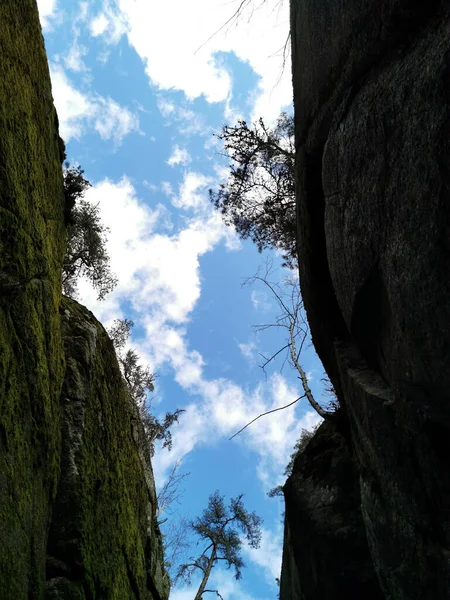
77, 498
103, 540
371, 94
31, 250
326, 554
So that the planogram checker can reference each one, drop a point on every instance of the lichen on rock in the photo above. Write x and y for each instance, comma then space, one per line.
77, 500
103, 537
32, 242
372, 118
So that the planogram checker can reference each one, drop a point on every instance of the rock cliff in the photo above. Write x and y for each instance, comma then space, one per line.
104, 540
326, 554
371, 95
77, 499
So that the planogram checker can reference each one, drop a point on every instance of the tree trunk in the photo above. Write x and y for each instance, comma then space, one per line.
207, 573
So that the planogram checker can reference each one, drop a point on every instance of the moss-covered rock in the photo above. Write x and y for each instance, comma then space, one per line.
77, 499
104, 541
31, 250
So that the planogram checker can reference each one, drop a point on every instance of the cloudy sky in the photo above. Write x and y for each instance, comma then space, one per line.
140, 88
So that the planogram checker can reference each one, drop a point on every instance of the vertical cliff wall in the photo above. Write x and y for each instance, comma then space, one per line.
77, 498
326, 554
104, 541
371, 94
31, 250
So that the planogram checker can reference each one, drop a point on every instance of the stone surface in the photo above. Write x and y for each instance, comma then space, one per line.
326, 554
31, 251
77, 499
371, 94
104, 540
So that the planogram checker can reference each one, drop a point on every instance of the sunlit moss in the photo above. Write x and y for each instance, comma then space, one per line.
32, 242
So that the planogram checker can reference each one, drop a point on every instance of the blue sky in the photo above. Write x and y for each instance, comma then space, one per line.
139, 95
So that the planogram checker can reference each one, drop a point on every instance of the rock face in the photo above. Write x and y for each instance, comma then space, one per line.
104, 541
326, 554
77, 501
31, 250
371, 94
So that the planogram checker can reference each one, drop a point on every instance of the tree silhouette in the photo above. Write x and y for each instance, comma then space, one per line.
259, 197
220, 529
86, 254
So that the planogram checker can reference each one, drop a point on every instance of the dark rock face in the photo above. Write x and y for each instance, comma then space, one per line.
326, 554
371, 95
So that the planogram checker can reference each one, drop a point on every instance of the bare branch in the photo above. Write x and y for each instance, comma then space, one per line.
313, 402
292, 319
235, 15
213, 592
272, 288
170, 492
269, 360
267, 413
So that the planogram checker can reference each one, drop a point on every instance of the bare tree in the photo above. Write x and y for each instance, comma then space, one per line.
175, 543
292, 321
171, 493
250, 7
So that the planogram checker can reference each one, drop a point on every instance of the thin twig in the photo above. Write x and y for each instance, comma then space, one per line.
269, 360
213, 592
235, 15
266, 413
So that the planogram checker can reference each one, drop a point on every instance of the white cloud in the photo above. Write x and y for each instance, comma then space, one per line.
109, 22
47, 10
268, 555
191, 123
260, 300
166, 108
99, 25
114, 121
188, 122
193, 195
179, 156
74, 60
248, 350
74, 108
166, 188
159, 274
225, 408
190, 65
193, 191
77, 111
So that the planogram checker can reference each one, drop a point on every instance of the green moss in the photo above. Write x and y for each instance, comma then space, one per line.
104, 513
31, 251
72, 484
63, 589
